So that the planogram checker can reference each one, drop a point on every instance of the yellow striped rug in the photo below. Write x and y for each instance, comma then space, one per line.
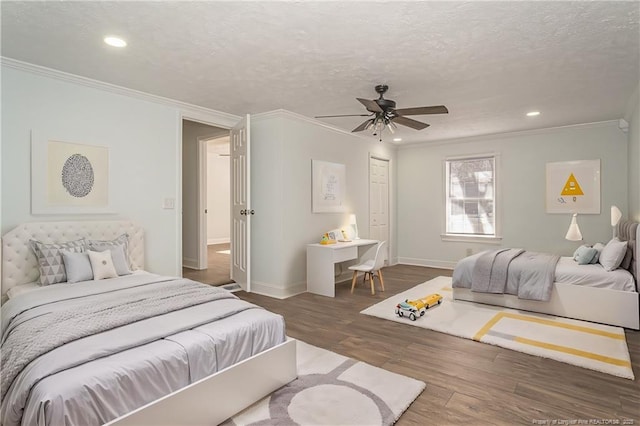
585, 344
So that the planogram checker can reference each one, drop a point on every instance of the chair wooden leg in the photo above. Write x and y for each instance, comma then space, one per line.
353, 280
373, 289
381, 279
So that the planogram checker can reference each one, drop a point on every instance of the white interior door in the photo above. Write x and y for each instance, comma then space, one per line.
240, 205
379, 201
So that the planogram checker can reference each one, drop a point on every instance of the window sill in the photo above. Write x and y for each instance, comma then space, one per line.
471, 238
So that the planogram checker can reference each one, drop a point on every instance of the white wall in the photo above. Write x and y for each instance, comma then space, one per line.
218, 197
142, 139
634, 159
522, 178
282, 147
191, 132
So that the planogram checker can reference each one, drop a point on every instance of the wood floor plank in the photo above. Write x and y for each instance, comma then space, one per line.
467, 382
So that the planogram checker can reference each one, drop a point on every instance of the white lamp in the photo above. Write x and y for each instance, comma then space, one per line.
354, 226
616, 215
574, 234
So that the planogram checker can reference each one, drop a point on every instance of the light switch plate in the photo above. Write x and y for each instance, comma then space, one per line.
169, 203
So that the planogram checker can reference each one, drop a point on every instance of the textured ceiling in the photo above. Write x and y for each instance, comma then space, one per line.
488, 62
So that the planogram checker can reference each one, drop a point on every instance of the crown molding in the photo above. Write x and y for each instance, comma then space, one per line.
189, 111
494, 136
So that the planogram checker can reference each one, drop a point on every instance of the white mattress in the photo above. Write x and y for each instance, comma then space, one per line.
569, 272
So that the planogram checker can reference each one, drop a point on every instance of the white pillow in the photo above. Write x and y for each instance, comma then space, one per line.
612, 254
102, 264
598, 247
78, 266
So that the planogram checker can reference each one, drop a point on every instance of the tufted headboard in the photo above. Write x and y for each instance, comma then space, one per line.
19, 264
627, 230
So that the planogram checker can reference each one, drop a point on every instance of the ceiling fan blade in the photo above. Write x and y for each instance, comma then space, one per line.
370, 105
436, 109
363, 125
410, 122
343, 115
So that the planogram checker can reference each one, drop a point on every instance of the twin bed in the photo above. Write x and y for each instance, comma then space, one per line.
585, 292
129, 349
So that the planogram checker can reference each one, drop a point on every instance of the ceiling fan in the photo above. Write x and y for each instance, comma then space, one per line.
384, 114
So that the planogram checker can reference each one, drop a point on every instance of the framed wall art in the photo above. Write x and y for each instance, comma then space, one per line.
327, 187
573, 187
68, 177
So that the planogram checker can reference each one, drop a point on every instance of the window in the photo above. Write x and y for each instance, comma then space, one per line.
470, 197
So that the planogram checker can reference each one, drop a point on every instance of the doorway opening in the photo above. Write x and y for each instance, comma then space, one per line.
206, 225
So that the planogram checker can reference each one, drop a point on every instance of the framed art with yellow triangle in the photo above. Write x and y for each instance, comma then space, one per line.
573, 187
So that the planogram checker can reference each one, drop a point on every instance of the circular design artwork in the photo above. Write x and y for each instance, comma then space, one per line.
77, 176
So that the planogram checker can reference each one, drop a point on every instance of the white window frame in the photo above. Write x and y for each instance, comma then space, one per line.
496, 238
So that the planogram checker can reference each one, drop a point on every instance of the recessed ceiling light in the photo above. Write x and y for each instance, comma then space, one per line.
533, 113
397, 139
115, 41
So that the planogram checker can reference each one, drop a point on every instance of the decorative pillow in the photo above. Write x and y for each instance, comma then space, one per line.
612, 254
598, 247
119, 260
584, 255
582, 247
78, 266
102, 264
626, 260
102, 245
50, 260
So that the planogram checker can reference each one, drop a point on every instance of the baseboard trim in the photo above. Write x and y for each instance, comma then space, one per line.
190, 263
266, 289
431, 263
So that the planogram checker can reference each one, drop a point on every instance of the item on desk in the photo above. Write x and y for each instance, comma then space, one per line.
345, 237
326, 239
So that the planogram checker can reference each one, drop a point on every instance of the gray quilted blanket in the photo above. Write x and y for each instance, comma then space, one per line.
529, 275
26, 340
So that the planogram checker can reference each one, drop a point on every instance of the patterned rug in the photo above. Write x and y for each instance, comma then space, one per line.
332, 389
585, 344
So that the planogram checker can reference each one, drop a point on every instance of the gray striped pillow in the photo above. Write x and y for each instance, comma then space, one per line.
50, 261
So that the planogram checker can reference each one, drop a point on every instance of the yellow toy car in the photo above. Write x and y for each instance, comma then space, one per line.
415, 308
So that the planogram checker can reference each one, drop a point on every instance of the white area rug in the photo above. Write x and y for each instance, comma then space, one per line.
332, 389
585, 344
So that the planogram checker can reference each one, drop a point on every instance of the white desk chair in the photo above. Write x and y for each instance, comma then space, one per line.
370, 268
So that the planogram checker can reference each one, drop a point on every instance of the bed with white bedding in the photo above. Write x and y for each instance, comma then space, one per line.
587, 292
89, 352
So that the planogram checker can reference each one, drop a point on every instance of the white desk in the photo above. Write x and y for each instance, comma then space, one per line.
322, 258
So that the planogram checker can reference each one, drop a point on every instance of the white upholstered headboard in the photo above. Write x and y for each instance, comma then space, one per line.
19, 264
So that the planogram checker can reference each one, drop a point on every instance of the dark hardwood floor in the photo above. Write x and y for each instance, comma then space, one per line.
467, 382
218, 264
